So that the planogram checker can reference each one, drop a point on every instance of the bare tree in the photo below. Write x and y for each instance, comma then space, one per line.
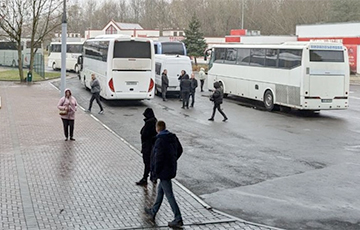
45, 18
11, 23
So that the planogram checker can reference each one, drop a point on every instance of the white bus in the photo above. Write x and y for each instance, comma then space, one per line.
124, 66
173, 64
301, 75
9, 54
73, 51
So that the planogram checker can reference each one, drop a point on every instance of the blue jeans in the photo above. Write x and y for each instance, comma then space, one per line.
165, 186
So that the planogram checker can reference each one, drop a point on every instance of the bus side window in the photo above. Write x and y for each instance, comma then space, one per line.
243, 57
271, 58
158, 68
289, 58
220, 55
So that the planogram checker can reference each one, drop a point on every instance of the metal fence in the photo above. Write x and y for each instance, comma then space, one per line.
39, 64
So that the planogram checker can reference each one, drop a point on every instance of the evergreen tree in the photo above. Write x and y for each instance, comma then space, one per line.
194, 39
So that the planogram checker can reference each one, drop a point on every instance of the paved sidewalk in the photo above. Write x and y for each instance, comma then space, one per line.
47, 183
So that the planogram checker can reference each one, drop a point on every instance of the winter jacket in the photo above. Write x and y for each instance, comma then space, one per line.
68, 103
167, 151
217, 96
194, 85
95, 86
164, 81
148, 131
202, 75
185, 84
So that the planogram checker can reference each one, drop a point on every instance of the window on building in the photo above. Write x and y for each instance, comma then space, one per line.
111, 30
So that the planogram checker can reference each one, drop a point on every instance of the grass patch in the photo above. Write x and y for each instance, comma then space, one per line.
13, 75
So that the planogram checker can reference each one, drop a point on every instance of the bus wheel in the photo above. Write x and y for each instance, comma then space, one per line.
13, 64
269, 100
85, 83
76, 68
53, 66
225, 95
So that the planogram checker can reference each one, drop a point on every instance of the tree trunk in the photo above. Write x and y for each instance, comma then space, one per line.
20, 64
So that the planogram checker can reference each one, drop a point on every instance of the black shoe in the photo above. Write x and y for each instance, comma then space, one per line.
72, 139
154, 181
176, 224
225, 119
66, 139
142, 182
191, 105
183, 107
187, 107
150, 213
211, 119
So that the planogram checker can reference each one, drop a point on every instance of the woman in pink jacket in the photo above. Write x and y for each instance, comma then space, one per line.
69, 104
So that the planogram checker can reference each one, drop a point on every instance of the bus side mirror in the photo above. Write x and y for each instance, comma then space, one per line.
80, 60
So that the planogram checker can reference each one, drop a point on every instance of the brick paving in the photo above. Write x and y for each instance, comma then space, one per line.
47, 183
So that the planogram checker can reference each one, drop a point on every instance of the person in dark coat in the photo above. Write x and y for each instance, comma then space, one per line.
164, 84
217, 98
185, 86
95, 93
182, 75
194, 85
167, 150
148, 137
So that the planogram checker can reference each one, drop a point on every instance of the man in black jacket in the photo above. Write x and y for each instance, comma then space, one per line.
194, 85
148, 137
217, 98
164, 84
185, 87
167, 150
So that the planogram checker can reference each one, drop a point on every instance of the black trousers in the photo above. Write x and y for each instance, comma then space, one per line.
163, 92
185, 98
192, 94
217, 106
202, 84
147, 162
97, 97
68, 124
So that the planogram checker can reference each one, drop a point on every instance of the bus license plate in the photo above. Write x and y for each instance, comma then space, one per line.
131, 83
326, 100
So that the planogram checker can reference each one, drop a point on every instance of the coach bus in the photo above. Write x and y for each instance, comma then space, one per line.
9, 53
302, 75
124, 66
73, 51
175, 48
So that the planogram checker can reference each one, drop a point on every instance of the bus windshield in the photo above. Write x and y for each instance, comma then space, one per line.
132, 49
172, 48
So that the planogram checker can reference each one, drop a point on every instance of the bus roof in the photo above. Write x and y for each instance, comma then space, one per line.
285, 45
171, 56
71, 43
118, 37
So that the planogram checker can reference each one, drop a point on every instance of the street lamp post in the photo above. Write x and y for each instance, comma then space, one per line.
242, 14
63, 51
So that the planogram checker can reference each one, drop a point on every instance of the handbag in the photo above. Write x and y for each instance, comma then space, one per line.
63, 111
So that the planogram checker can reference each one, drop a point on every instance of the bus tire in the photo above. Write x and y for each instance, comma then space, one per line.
85, 83
269, 100
225, 95
157, 91
54, 66
76, 68
13, 64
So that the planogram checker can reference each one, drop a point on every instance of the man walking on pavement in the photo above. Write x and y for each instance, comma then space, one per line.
95, 91
164, 84
217, 98
167, 151
194, 85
